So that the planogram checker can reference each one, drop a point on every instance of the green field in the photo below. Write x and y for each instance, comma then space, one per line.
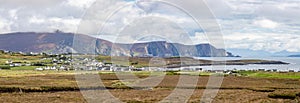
20, 73
258, 74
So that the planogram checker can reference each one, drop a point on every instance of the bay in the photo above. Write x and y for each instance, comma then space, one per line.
294, 64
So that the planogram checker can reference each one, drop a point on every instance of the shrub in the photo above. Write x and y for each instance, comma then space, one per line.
38, 64
52, 89
134, 101
120, 85
5, 67
282, 95
172, 73
263, 90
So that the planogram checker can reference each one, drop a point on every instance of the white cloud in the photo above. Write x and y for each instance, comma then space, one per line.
271, 42
4, 25
67, 24
265, 23
36, 20
80, 3
40, 16
271, 25
148, 27
169, 23
199, 38
31, 3
13, 13
284, 6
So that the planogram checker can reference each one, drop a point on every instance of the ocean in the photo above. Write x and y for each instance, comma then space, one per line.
294, 64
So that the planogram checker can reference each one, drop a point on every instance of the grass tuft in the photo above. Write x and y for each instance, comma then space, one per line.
290, 95
262, 89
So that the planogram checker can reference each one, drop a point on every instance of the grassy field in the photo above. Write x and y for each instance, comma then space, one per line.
24, 73
289, 75
61, 86
24, 84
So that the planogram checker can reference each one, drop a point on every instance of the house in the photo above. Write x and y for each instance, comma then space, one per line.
53, 68
219, 71
47, 68
54, 61
291, 70
86, 59
283, 71
39, 69
126, 69
90, 68
62, 68
22, 53
17, 64
137, 69
118, 69
32, 53
186, 69
107, 68
9, 62
108, 64
198, 69
11, 65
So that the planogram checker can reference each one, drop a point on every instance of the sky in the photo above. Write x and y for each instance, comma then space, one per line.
269, 25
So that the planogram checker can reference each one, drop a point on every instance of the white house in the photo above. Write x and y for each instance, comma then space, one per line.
17, 64
47, 68
53, 68
62, 68
39, 69
9, 62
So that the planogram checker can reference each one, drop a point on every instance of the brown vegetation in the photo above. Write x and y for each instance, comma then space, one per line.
63, 88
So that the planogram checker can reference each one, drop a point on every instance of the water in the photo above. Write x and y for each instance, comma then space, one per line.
294, 64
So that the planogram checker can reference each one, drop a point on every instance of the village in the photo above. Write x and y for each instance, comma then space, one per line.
68, 62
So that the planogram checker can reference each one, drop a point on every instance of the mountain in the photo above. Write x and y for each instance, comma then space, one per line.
260, 53
294, 55
286, 53
249, 53
60, 42
164, 49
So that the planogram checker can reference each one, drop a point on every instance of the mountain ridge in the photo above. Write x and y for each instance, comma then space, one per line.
297, 55
59, 42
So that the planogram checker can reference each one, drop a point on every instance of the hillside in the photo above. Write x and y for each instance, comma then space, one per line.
63, 42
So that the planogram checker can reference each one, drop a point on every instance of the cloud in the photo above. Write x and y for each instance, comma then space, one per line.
271, 25
36, 20
199, 37
272, 42
265, 23
82, 4
32, 3
145, 28
13, 13
67, 24
172, 22
41, 16
4, 25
